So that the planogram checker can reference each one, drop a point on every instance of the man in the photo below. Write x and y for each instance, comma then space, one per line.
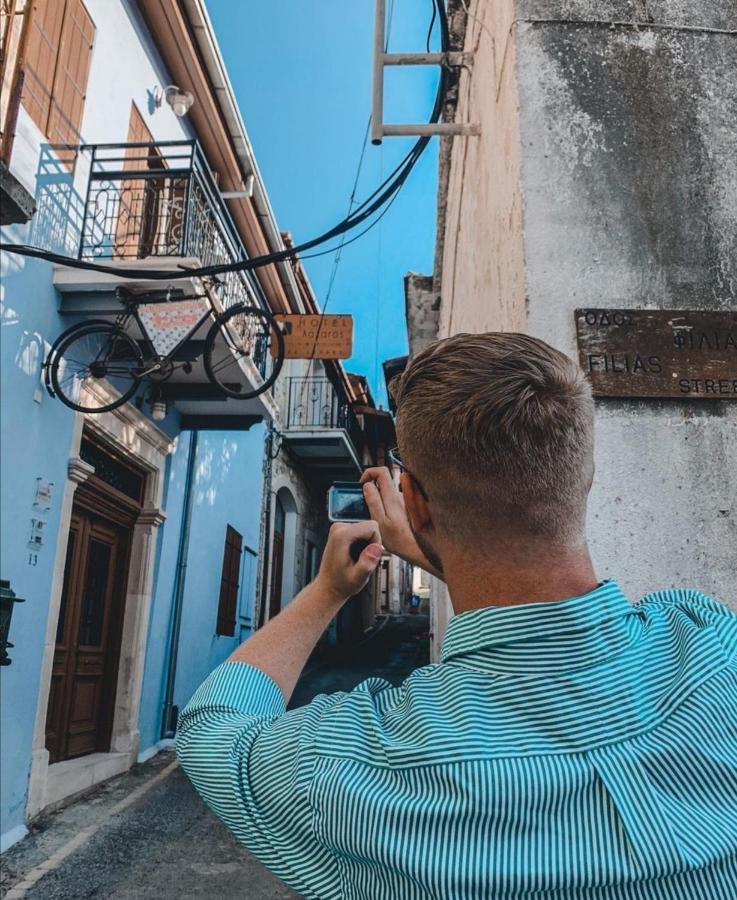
567, 745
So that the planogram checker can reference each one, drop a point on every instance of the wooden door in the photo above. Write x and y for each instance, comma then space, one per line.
84, 673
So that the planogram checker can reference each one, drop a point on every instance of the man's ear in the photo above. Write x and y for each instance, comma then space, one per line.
418, 511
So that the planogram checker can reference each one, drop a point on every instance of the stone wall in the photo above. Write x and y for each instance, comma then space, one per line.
605, 175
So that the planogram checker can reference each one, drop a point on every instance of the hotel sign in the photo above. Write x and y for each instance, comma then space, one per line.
659, 353
316, 337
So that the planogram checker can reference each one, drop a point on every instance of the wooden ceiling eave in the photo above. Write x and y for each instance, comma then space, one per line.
172, 37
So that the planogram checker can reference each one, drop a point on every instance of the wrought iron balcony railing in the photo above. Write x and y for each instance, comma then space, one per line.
313, 402
160, 200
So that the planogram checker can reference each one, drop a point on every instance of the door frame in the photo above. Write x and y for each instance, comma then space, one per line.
99, 508
285, 489
134, 437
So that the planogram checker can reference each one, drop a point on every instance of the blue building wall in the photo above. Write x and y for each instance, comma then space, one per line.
35, 440
39, 434
227, 490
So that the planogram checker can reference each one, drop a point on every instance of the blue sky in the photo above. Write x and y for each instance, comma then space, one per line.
301, 70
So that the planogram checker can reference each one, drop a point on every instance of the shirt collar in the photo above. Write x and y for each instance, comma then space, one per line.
540, 637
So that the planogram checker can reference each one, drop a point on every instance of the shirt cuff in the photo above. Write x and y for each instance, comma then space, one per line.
238, 687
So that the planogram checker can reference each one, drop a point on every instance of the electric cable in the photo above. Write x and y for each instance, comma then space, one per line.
382, 195
351, 202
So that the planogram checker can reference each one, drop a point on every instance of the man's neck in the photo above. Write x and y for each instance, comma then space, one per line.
517, 573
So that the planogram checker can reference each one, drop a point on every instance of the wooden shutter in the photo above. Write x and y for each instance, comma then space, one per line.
132, 193
42, 52
229, 582
70, 80
138, 133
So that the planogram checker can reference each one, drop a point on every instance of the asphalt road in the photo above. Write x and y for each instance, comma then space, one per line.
166, 843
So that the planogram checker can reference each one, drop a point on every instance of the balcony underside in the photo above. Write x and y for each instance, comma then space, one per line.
327, 452
90, 295
77, 284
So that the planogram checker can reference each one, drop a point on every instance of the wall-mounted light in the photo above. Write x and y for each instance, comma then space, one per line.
7, 599
159, 406
180, 101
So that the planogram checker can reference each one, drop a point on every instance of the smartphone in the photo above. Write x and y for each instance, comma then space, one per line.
346, 503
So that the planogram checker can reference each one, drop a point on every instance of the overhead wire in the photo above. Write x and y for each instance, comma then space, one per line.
351, 202
383, 194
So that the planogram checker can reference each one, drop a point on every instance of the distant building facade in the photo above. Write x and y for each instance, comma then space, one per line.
149, 540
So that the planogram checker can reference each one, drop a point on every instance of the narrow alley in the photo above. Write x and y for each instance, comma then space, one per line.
147, 834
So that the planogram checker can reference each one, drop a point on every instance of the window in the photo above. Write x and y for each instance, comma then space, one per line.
228, 602
249, 574
111, 469
57, 66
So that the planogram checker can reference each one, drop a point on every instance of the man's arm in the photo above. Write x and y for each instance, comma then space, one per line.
386, 506
251, 761
281, 648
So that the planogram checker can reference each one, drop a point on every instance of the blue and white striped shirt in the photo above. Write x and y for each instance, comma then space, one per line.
585, 748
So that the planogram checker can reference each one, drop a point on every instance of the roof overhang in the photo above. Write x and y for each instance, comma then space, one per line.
184, 36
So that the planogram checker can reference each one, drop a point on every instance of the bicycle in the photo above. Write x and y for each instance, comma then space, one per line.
98, 349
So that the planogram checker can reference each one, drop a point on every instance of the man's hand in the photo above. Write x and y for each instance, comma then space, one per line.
340, 577
386, 505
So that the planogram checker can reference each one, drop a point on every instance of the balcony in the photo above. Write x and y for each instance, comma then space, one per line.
156, 206
322, 430
159, 202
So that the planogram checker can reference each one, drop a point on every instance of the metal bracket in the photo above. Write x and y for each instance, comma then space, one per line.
379, 129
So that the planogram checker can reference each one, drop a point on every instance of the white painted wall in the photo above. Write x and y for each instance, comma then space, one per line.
125, 68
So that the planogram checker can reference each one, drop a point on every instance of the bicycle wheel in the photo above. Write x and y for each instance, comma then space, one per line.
243, 332
92, 352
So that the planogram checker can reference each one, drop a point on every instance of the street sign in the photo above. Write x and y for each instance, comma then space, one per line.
659, 353
168, 324
317, 337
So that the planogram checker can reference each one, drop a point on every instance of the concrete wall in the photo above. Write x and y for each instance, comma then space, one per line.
605, 176
480, 271
422, 310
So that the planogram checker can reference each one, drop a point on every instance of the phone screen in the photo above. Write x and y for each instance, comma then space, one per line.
346, 503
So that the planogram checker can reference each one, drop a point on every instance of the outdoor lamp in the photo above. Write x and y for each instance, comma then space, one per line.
7, 599
158, 405
179, 100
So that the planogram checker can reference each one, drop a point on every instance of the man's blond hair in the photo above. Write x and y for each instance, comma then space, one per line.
498, 429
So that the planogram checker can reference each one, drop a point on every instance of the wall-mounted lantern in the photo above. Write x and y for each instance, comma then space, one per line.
159, 406
180, 101
7, 599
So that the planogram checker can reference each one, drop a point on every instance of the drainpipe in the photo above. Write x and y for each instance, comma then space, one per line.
268, 465
169, 717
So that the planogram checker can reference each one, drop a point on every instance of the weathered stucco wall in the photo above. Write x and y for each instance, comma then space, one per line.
482, 259
629, 184
617, 124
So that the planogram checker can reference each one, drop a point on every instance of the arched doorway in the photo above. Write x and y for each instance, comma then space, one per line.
284, 545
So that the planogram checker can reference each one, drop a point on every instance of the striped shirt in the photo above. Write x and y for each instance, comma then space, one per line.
585, 748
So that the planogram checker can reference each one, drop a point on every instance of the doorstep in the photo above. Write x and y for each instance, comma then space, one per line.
68, 779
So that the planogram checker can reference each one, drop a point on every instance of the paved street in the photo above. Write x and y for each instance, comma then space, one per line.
148, 835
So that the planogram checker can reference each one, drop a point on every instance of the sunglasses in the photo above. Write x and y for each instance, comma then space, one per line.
396, 460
